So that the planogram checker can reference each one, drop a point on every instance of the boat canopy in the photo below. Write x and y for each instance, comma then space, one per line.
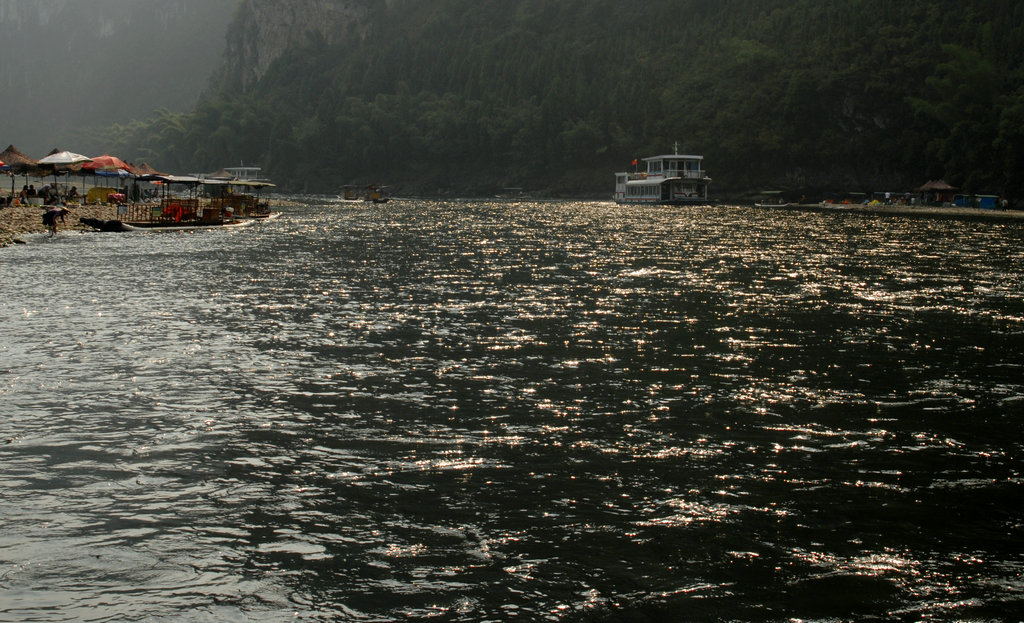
249, 183
652, 181
169, 179
673, 157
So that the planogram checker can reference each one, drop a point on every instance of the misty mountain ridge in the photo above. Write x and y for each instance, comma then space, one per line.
469, 96
264, 30
69, 64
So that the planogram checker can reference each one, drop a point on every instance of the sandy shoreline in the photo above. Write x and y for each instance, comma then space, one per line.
18, 220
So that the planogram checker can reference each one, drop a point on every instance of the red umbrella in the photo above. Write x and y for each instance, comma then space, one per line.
106, 162
105, 165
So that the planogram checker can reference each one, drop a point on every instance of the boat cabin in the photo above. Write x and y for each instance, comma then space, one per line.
669, 179
244, 173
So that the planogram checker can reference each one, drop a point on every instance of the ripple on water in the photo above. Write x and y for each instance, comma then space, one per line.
515, 410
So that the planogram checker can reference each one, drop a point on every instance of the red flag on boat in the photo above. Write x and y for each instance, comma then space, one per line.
634, 162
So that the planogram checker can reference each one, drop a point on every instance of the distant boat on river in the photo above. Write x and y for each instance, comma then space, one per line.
772, 199
349, 193
374, 193
673, 179
377, 194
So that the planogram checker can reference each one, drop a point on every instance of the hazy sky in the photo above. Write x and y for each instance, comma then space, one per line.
68, 64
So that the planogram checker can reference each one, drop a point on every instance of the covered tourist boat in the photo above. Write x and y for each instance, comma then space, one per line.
377, 194
373, 193
226, 202
673, 179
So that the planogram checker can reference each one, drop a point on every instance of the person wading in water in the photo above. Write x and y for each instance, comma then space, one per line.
50, 218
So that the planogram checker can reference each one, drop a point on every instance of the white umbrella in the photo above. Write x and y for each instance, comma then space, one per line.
65, 158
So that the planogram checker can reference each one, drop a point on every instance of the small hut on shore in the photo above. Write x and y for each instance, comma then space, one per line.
143, 168
19, 164
936, 192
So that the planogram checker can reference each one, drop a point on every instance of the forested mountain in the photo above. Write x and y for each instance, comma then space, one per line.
469, 96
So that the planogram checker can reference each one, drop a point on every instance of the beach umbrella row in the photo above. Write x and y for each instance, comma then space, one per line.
20, 163
61, 162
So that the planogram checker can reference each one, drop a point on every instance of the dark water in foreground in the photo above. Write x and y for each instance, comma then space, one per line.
515, 412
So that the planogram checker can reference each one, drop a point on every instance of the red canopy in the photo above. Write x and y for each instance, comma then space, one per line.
105, 162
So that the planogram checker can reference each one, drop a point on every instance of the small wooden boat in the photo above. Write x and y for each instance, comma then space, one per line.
377, 194
771, 199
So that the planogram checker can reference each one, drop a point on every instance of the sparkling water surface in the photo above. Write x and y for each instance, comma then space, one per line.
515, 411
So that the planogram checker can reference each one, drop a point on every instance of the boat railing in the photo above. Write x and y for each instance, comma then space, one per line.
697, 174
241, 205
172, 211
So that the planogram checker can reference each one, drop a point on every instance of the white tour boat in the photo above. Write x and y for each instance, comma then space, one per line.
673, 179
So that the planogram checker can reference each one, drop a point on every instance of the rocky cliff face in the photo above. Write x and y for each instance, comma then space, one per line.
265, 29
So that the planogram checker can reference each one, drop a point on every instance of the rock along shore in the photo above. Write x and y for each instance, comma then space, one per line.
18, 220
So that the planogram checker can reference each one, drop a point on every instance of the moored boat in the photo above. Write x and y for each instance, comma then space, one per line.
226, 203
373, 193
772, 199
377, 194
350, 193
672, 179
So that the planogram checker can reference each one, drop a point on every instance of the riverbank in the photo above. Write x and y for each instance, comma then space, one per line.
906, 210
16, 221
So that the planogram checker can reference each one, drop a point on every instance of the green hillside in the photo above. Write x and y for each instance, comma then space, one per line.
469, 96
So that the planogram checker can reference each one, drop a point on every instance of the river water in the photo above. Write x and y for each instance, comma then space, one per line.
500, 411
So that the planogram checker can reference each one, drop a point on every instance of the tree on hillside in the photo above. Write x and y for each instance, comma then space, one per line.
473, 95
